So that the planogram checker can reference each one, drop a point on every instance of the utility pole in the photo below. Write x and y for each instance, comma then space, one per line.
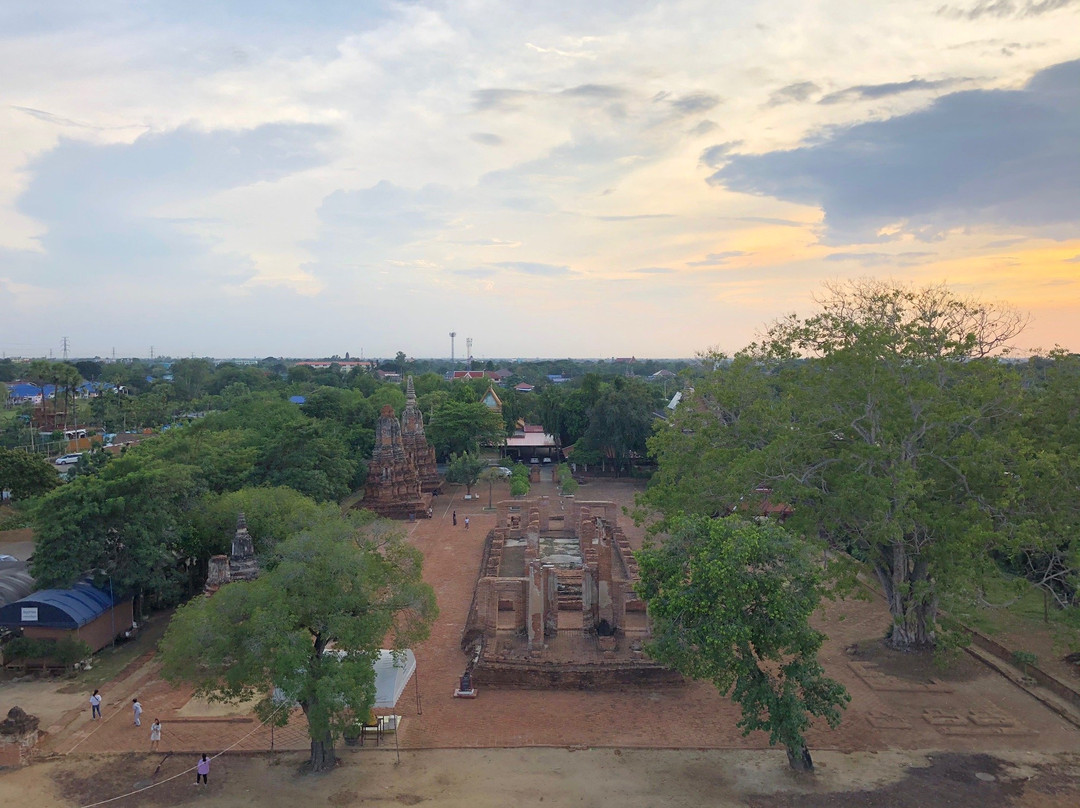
64, 342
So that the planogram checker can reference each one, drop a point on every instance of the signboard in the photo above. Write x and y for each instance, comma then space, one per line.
29, 614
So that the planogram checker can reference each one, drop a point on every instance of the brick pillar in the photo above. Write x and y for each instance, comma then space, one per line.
551, 600
588, 598
535, 605
605, 609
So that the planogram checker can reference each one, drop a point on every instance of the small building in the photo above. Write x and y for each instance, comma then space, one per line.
530, 442
83, 611
524, 387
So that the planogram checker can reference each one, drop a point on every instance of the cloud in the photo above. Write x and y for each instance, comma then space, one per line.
1074, 260
58, 120
635, 216
799, 91
653, 271
106, 209
996, 157
475, 272
862, 92
499, 99
771, 220
486, 138
1004, 9
605, 91
872, 259
717, 259
695, 103
716, 156
533, 268
702, 128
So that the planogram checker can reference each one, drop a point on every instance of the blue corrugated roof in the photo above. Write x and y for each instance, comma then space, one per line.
80, 604
297, 399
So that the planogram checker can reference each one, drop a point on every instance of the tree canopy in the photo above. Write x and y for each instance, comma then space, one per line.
880, 422
25, 475
308, 628
465, 469
458, 427
730, 602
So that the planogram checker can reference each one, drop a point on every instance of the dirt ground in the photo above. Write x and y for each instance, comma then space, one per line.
474, 778
911, 732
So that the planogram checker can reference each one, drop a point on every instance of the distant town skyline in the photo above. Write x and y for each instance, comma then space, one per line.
562, 179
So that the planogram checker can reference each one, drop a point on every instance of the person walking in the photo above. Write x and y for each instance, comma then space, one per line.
202, 770
466, 523
455, 518
155, 734
95, 706
136, 708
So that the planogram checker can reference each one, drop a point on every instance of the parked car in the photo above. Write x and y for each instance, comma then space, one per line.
67, 460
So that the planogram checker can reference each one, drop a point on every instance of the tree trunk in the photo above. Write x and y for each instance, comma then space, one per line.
798, 758
322, 755
910, 594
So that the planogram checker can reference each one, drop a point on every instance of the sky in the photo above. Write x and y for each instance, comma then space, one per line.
556, 179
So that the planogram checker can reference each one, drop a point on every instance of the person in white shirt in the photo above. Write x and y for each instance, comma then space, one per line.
137, 709
95, 706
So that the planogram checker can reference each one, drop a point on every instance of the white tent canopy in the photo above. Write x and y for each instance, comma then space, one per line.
391, 677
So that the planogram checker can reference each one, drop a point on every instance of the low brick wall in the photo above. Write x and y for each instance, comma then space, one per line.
573, 677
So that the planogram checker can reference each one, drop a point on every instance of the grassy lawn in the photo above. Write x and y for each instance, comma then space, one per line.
1011, 610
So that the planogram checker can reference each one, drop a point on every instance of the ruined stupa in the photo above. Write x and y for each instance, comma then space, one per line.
242, 563
239, 565
417, 448
393, 485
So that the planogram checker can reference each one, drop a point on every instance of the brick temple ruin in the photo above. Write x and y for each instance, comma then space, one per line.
554, 604
414, 441
402, 473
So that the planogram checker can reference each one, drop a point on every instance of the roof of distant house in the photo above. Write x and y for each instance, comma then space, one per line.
524, 387
530, 440
474, 374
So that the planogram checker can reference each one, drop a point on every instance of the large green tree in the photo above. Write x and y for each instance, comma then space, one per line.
465, 469
1038, 523
128, 522
464, 426
881, 422
308, 628
26, 475
730, 602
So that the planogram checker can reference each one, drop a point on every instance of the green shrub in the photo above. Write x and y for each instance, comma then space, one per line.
1025, 658
70, 650
64, 652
